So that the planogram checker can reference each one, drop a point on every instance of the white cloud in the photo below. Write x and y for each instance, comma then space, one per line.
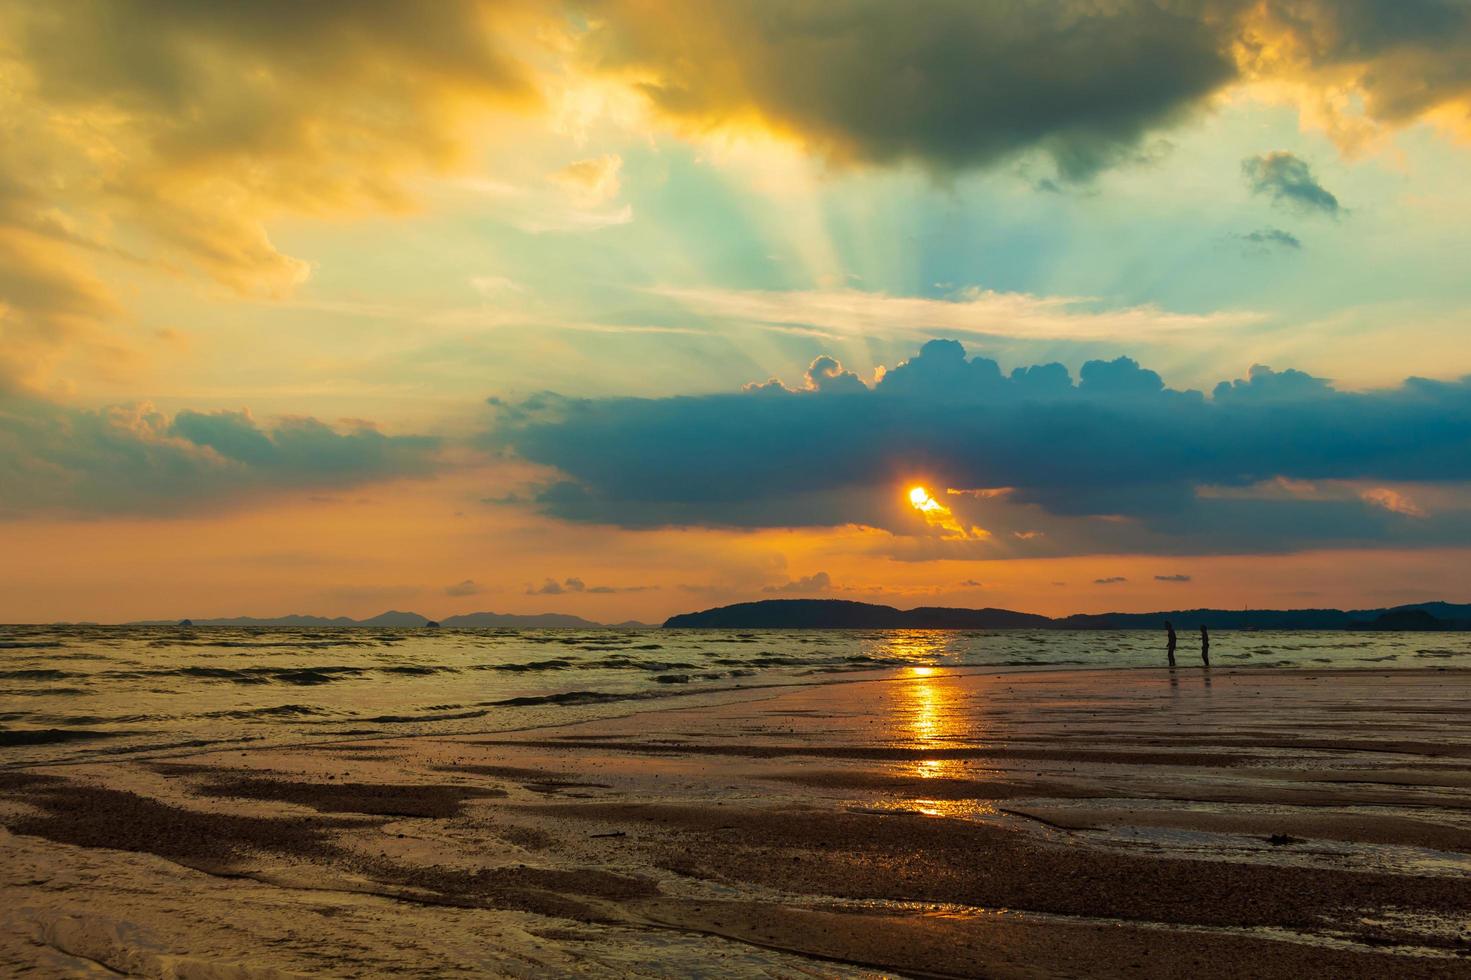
970, 312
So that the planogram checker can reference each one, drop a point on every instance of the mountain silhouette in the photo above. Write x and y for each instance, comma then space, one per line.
393, 619
846, 614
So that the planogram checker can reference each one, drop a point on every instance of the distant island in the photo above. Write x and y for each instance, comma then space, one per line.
846, 614
393, 619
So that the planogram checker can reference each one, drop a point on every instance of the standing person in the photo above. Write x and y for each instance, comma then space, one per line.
1205, 645
1170, 641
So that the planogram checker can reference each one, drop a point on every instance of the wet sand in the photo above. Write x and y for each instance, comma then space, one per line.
924, 823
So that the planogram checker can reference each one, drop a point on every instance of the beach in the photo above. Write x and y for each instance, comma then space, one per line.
926, 821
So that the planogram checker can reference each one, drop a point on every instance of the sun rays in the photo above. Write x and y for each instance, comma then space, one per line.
938, 516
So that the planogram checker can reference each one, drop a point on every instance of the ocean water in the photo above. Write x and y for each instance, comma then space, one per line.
81, 692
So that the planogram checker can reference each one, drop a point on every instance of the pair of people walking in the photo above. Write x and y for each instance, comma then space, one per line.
1205, 644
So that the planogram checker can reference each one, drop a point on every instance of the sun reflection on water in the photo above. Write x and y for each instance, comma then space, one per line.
926, 715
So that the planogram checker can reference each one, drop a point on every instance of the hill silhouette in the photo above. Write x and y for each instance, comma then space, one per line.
393, 619
847, 614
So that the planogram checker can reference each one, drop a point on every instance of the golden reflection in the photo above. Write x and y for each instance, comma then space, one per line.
926, 714
924, 705
916, 645
957, 809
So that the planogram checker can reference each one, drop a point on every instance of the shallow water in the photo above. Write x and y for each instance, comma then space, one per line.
73, 692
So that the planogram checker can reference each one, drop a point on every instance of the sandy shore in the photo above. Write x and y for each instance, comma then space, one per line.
930, 822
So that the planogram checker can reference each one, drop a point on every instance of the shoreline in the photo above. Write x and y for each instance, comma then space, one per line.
956, 821
889, 674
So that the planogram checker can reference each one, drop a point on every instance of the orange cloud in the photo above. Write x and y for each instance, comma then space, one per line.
171, 133
1393, 500
942, 518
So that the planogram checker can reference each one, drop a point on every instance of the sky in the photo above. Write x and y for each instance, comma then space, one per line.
624, 308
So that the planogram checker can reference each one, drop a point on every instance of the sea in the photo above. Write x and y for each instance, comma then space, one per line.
80, 693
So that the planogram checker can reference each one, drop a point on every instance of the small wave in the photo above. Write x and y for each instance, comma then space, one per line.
190, 743
279, 711
417, 670
288, 644
265, 675
567, 697
556, 664
90, 721
42, 692
769, 660
29, 644
592, 697
410, 719
38, 674
52, 736
628, 663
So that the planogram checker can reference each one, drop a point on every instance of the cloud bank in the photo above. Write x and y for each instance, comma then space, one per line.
172, 135
136, 460
973, 84
1278, 456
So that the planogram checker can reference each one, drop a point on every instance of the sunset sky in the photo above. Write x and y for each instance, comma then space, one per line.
628, 307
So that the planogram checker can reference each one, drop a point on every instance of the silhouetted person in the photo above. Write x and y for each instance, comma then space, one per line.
1205, 646
1170, 641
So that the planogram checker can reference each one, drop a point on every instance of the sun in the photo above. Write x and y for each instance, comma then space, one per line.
940, 517
921, 500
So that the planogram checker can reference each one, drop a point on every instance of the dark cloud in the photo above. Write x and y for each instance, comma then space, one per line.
135, 459
1288, 180
467, 587
1111, 580
1115, 461
1265, 239
1172, 578
957, 84
1404, 57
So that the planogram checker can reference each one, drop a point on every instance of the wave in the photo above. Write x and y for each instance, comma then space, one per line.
583, 697
52, 736
37, 674
410, 719
301, 676
295, 644
607, 663
557, 664
278, 711
91, 721
255, 675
